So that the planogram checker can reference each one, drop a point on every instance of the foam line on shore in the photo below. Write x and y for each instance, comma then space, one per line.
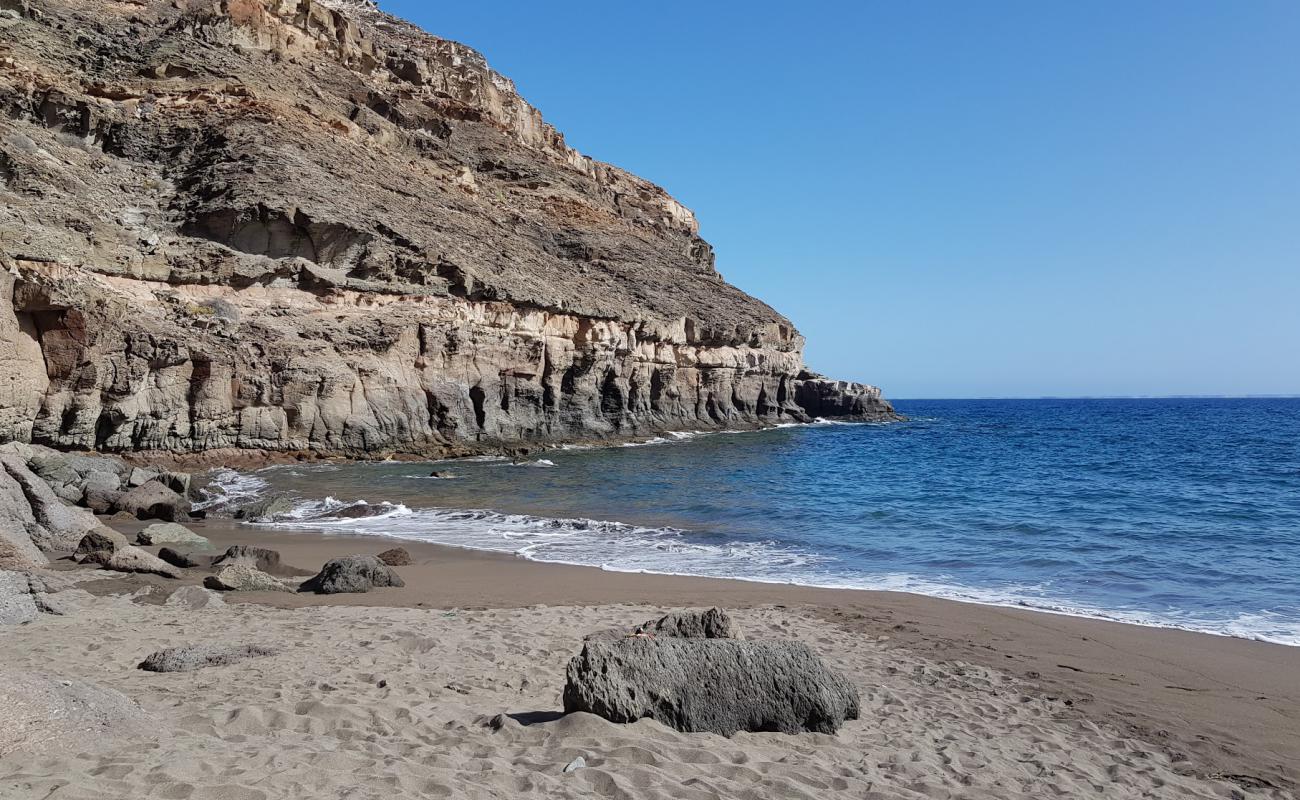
621, 547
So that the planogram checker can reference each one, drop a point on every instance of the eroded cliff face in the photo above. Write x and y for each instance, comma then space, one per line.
300, 226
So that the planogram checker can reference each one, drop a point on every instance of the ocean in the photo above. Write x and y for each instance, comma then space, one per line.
1178, 513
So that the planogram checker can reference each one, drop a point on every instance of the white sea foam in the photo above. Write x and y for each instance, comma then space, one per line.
621, 547
228, 488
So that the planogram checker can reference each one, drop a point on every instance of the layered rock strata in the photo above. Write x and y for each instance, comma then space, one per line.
306, 226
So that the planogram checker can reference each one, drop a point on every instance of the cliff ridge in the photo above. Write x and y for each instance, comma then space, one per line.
307, 226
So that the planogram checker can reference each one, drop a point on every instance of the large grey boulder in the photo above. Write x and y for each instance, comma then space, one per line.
153, 500
352, 574
396, 557
708, 623
44, 714
171, 533
16, 603
259, 558
192, 657
194, 598
715, 685
244, 578
58, 527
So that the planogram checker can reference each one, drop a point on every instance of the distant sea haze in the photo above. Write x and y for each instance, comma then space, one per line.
1178, 512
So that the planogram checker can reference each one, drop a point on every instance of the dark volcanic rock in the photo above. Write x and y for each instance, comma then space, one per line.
716, 685
436, 269
184, 659
185, 560
352, 574
258, 558
396, 557
99, 545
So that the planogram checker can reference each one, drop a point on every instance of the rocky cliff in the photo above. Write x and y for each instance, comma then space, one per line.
307, 226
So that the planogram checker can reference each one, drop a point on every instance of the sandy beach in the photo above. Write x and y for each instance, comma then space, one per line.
398, 693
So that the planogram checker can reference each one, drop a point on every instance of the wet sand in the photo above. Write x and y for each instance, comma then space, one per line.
1229, 706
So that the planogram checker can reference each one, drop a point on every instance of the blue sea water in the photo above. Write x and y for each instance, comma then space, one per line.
1172, 512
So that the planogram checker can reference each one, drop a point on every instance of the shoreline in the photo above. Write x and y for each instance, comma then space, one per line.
249, 459
1230, 705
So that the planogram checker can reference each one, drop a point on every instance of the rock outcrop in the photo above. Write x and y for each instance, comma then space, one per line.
306, 226
716, 685
352, 574
200, 656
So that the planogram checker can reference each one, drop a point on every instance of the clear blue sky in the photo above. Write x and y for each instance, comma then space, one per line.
959, 199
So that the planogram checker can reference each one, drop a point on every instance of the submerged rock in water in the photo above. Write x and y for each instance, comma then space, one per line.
716, 685
192, 657
352, 574
268, 509
171, 533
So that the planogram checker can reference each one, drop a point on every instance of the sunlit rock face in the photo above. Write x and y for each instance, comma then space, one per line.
307, 226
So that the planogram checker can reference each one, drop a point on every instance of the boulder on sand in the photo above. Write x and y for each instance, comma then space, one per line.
708, 623
244, 578
133, 559
171, 533
153, 500
184, 560
352, 574
396, 557
266, 510
716, 685
259, 558
185, 659
16, 603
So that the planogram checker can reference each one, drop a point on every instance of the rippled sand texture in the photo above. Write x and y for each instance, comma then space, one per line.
315, 721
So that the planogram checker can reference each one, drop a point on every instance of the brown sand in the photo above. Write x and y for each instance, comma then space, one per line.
959, 700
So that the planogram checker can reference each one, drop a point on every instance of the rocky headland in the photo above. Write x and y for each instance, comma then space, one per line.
307, 227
